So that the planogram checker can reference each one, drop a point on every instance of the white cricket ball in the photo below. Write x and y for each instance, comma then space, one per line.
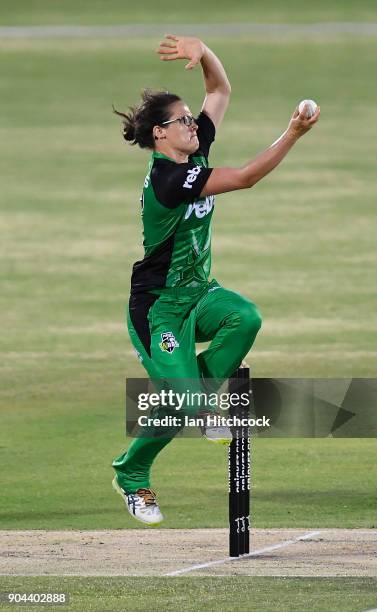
311, 107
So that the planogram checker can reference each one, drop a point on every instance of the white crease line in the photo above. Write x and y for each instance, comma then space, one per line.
255, 553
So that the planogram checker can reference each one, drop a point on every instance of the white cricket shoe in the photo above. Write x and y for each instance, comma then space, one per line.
142, 505
219, 434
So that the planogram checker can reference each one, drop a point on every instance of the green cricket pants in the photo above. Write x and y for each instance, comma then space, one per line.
163, 330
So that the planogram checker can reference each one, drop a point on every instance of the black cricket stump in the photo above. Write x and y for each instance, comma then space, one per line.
239, 465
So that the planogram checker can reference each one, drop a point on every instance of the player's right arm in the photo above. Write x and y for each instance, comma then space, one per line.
222, 180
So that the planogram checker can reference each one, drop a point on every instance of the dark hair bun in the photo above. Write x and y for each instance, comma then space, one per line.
128, 124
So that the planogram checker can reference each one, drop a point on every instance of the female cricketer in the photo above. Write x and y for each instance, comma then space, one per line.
173, 303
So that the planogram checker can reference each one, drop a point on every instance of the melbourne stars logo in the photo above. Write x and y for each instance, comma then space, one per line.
168, 342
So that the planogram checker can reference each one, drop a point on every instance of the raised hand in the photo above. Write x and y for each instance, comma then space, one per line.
181, 47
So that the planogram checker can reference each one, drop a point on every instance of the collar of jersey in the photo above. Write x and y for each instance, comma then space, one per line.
162, 156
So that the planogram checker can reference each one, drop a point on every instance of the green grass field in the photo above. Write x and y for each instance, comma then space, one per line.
38, 12
301, 244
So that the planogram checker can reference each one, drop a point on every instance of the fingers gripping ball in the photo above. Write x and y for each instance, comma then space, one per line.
310, 105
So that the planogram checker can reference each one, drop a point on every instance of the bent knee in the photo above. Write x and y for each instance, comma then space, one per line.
250, 318
247, 318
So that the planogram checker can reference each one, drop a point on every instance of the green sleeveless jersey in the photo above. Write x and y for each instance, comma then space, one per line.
176, 220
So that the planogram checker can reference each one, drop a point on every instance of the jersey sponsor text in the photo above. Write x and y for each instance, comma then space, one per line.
191, 177
200, 208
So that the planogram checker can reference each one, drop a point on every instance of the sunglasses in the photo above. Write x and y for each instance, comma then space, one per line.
186, 120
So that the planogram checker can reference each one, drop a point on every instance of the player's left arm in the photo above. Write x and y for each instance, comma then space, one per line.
216, 82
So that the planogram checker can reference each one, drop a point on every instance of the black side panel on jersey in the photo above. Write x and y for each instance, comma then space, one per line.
206, 134
150, 272
176, 183
153, 269
139, 307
